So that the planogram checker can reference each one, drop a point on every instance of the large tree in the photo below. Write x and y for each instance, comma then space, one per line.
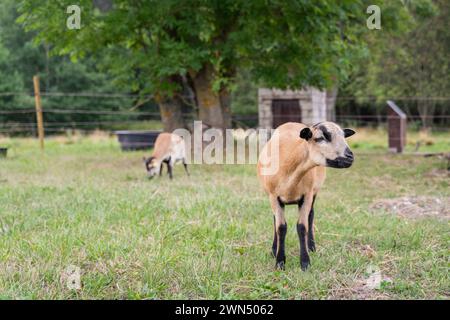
163, 47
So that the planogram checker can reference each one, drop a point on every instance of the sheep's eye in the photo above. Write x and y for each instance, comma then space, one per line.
319, 139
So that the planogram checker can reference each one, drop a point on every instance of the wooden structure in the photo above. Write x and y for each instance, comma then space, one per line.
308, 106
396, 120
39, 117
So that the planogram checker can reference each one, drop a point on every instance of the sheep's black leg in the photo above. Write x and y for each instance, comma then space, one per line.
281, 235
161, 169
274, 243
304, 206
185, 167
304, 257
169, 170
281, 230
311, 242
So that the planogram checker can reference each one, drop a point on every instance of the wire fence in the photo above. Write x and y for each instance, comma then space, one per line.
22, 120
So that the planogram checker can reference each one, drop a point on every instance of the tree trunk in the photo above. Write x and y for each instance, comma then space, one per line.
214, 107
171, 113
225, 103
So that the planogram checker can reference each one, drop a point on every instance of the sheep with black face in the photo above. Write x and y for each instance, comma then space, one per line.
169, 149
303, 153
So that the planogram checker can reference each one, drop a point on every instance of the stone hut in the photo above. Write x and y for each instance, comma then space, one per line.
308, 106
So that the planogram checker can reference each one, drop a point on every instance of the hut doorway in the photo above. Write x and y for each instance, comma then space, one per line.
286, 110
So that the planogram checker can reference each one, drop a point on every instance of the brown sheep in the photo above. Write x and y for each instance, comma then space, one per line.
303, 153
169, 149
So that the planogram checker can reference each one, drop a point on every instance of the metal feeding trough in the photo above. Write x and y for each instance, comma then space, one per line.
137, 140
3, 152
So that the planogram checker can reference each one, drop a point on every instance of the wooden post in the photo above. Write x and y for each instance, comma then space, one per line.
39, 117
396, 127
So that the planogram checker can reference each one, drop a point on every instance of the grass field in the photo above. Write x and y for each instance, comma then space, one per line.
86, 203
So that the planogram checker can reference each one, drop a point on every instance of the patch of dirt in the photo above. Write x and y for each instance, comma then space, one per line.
415, 207
363, 249
438, 173
360, 291
368, 286
400, 160
380, 181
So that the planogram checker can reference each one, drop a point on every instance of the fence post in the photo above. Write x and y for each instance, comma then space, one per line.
396, 119
39, 117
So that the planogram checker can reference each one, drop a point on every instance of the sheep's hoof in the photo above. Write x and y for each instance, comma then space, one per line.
312, 246
304, 264
280, 265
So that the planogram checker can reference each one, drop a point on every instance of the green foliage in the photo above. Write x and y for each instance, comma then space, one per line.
13, 51
392, 63
147, 45
245, 99
410, 60
282, 43
21, 57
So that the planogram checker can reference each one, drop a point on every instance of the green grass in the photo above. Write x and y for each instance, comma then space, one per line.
86, 203
376, 140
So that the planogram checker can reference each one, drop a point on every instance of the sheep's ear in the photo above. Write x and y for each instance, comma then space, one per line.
306, 134
348, 132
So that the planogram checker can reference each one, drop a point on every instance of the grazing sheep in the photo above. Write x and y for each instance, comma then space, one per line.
303, 154
169, 149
